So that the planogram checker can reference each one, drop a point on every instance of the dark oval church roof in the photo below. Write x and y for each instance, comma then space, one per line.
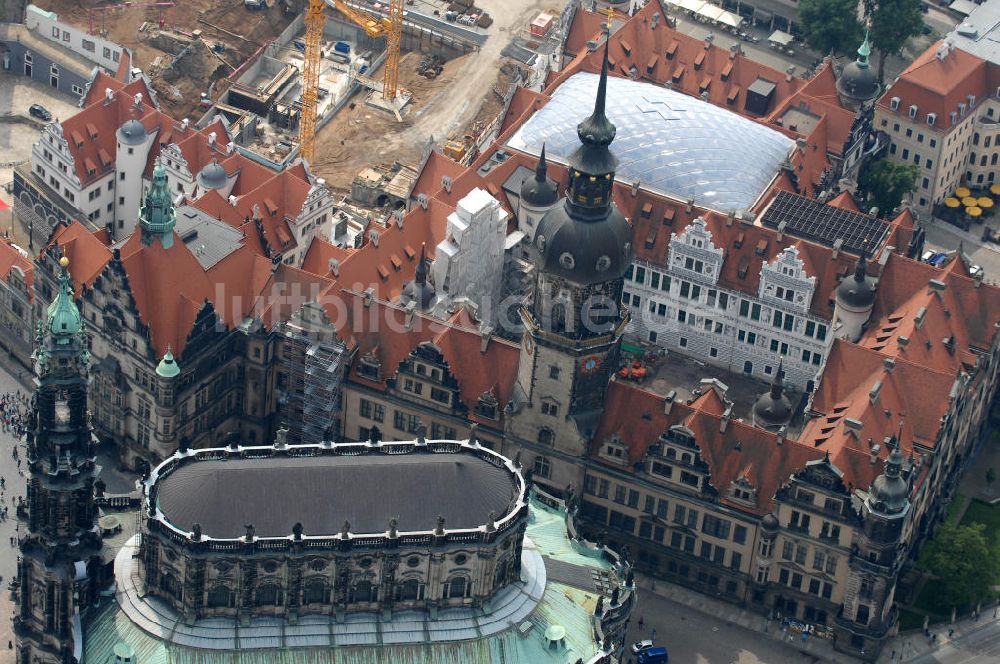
321, 492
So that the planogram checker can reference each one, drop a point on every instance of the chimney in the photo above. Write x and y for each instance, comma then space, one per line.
690, 204
903, 341
724, 420
485, 334
781, 230
655, 21
398, 217
790, 73
137, 100
230, 147
918, 319
446, 183
779, 437
875, 391
410, 308
949, 343
423, 201
668, 401
635, 188
730, 217
853, 426
369, 296
876, 448
109, 94
211, 138
334, 267
838, 244
233, 200
889, 364
185, 123
709, 38
936, 285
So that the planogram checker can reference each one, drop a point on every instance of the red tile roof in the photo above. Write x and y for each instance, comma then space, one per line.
11, 258
478, 365
87, 254
939, 84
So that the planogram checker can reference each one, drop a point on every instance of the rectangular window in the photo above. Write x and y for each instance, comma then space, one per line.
662, 507
633, 498
649, 505
640, 275
787, 549
620, 493
740, 534
654, 279
735, 560
744, 308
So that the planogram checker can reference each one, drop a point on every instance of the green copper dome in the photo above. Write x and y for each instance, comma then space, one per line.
63, 316
157, 216
168, 368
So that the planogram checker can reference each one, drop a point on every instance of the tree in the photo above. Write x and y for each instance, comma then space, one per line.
961, 558
884, 184
892, 23
830, 25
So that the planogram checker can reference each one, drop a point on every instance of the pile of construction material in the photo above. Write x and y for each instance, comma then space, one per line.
466, 13
430, 66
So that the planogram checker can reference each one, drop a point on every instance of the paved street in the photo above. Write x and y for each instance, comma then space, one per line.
693, 637
945, 237
975, 644
14, 487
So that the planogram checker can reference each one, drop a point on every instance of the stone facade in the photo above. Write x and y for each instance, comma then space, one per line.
331, 573
683, 307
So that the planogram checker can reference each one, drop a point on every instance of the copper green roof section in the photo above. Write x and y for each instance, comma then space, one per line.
63, 316
563, 608
157, 216
167, 368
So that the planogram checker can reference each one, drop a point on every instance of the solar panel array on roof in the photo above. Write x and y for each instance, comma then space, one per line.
811, 220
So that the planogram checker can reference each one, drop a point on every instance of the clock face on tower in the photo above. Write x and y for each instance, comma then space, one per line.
590, 364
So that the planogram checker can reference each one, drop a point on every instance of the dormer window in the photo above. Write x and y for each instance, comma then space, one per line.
614, 449
370, 367
913, 111
486, 406
894, 104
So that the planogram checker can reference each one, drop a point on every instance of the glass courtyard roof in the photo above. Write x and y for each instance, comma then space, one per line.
672, 143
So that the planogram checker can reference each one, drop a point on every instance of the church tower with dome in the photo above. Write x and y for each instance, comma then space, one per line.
574, 325
60, 567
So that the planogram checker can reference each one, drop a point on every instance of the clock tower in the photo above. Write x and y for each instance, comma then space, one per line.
574, 325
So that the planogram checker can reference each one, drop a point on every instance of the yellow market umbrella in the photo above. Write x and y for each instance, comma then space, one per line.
973, 211
962, 192
969, 201
995, 189
952, 202
985, 202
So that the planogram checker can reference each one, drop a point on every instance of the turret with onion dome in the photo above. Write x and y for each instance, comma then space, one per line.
857, 85
585, 239
855, 301
157, 216
539, 194
581, 250
889, 493
773, 409
168, 368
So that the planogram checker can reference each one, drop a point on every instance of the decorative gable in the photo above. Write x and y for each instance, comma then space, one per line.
785, 279
692, 253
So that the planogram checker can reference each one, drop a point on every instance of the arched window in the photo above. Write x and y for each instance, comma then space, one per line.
410, 590
363, 591
457, 587
220, 597
268, 595
546, 436
315, 592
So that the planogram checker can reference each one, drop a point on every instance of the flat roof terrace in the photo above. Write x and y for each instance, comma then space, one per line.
363, 484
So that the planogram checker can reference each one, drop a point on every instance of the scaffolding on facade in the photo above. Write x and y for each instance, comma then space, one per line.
315, 361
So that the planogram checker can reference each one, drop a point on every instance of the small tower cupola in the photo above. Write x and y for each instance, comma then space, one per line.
855, 301
168, 367
773, 409
419, 290
540, 191
157, 216
889, 492
857, 85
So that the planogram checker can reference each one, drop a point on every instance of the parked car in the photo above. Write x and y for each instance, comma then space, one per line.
938, 259
976, 271
657, 655
40, 112
640, 646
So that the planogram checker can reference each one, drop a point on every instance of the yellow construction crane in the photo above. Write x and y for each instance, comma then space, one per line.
390, 27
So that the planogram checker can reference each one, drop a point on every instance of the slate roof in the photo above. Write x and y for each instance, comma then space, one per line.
322, 492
